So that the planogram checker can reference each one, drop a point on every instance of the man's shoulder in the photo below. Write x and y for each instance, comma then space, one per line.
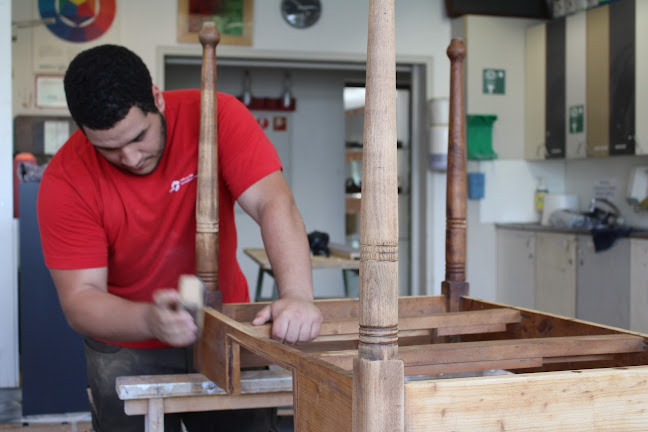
75, 160
75, 150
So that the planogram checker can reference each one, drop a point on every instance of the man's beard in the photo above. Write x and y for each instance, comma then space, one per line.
163, 133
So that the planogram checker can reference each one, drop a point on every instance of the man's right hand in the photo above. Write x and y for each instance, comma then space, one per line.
169, 321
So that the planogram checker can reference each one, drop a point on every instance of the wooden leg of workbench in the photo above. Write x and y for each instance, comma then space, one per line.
154, 418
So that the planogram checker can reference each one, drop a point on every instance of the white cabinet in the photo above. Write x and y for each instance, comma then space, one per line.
561, 273
639, 285
575, 48
603, 283
515, 267
555, 273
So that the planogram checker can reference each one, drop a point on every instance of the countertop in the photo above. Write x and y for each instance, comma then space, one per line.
533, 226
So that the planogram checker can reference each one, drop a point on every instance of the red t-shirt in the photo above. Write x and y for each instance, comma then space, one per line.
93, 214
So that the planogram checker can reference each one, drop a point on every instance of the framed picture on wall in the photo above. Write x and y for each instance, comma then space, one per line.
233, 19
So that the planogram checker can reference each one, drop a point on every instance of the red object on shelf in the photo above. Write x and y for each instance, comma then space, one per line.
270, 104
20, 158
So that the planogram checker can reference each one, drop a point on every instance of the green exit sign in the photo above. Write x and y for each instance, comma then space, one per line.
576, 117
494, 81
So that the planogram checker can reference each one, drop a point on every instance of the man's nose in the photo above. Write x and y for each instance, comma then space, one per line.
129, 157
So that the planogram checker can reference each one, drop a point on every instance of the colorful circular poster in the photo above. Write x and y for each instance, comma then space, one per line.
78, 20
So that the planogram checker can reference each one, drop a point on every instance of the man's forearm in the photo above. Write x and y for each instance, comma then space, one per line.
286, 243
105, 316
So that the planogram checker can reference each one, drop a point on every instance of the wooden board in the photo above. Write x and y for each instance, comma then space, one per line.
569, 401
344, 251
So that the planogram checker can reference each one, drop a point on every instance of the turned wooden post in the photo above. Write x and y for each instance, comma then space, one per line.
377, 372
207, 196
455, 284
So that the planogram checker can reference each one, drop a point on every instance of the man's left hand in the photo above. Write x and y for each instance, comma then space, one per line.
295, 320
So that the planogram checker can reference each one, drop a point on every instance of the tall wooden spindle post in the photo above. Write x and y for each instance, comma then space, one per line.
455, 284
377, 372
207, 196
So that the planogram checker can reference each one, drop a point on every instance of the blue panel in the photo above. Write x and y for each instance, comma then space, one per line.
476, 182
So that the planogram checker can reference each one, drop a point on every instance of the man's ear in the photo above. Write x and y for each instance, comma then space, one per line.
158, 99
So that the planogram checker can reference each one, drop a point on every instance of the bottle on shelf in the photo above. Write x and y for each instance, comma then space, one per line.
539, 198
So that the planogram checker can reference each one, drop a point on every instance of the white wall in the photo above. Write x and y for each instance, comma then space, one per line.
422, 30
8, 232
510, 181
582, 175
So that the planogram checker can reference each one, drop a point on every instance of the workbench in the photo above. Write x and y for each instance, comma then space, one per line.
318, 262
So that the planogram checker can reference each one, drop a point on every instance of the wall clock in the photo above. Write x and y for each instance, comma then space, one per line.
301, 13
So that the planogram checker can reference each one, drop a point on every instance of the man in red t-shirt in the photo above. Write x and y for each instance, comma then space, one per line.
116, 211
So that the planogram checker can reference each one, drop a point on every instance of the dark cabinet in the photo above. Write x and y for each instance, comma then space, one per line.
622, 77
52, 360
555, 88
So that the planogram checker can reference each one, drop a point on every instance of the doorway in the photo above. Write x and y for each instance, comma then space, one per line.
314, 149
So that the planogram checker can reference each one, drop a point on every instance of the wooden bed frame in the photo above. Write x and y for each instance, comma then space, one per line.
442, 363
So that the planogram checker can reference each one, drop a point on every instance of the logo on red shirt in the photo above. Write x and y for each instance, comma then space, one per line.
175, 184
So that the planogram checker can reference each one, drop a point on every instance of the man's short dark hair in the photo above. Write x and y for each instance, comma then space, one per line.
103, 83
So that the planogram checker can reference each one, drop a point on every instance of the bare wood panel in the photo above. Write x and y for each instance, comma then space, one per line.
568, 401
597, 112
322, 401
534, 87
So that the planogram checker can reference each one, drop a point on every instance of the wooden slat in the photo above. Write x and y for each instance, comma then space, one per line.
498, 350
476, 366
150, 386
447, 323
536, 324
521, 348
344, 308
212, 402
465, 330
508, 364
343, 250
567, 401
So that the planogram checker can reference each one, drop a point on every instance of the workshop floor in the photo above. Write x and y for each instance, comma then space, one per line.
11, 418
